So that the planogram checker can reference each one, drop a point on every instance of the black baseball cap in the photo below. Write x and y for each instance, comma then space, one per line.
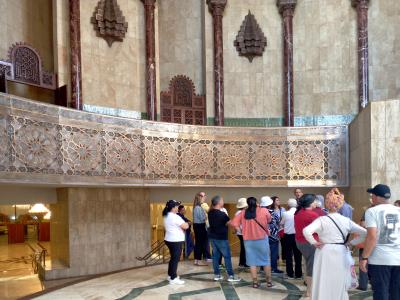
172, 203
380, 190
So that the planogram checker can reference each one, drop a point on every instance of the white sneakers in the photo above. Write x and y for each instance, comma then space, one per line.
176, 281
218, 277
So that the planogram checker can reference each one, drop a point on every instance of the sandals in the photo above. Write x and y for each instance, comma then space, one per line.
270, 284
256, 284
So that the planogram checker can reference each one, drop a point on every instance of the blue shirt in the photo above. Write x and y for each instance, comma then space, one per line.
346, 211
199, 215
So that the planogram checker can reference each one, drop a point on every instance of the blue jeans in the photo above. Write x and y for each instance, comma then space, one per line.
220, 248
274, 247
385, 281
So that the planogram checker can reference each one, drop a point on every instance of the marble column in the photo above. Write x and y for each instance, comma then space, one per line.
75, 56
151, 94
216, 8
286, 8
362, 30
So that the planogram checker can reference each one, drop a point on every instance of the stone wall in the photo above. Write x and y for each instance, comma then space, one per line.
360, 161
103, 229
29, 22
181, 41
114, 77
374, 151
325, 58
252, 90
384, 49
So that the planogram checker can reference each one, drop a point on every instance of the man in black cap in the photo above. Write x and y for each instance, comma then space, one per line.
382, 245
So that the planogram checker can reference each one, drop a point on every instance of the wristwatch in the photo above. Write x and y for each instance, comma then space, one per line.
364, 258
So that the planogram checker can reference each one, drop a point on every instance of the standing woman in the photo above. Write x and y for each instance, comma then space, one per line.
267, 202
200, 230
303, 217
175, 228
333, 231
241, 205
276, 206
254, 221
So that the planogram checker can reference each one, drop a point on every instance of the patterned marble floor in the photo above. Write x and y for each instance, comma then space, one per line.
150, 284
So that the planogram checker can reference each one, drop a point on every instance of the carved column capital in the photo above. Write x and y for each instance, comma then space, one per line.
148, 2
286, 6
360, 3
216, 7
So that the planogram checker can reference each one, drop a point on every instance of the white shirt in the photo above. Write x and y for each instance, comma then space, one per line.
328, 233
239, 231
173, 230
386, 219
288, 221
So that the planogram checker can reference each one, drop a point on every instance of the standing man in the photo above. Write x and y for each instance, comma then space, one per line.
218, 235
346, 210
382, 245
189, 245
298, 192
290, 242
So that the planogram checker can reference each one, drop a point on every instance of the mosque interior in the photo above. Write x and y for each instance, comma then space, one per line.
110, 108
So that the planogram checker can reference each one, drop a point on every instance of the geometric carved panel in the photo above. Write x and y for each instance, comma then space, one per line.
81, 151
34, 145
90, 149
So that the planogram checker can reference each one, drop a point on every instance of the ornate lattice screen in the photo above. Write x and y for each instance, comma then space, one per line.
180, 104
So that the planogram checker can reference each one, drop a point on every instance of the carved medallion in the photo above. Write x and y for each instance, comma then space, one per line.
250, 41
108, 21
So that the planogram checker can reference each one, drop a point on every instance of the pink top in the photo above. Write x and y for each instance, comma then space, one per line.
250, 229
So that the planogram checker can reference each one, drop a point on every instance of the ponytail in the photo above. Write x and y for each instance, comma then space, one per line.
165, 211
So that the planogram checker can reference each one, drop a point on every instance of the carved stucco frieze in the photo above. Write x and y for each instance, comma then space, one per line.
89, 149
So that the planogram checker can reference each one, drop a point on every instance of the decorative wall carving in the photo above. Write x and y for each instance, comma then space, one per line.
180, 104
47, 144
108, 21
250, 41
24, 65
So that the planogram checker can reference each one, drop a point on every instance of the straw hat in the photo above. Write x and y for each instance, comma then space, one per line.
241, 203
266, 201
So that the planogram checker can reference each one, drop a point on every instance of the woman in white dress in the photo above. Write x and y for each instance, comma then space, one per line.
331, 270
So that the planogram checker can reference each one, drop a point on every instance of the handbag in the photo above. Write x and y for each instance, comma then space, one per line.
352, 279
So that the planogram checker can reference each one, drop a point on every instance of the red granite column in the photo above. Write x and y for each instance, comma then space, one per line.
151, 94
363, 74
76, 63
216, 8
286, 8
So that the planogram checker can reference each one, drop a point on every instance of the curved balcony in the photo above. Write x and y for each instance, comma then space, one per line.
46, 144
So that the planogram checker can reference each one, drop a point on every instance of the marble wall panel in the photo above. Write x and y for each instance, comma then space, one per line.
114, 76
374, 151
96, 241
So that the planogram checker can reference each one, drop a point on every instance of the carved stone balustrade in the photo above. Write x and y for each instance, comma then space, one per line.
46, 144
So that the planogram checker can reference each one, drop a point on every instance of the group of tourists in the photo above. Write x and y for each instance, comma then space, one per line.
315, 229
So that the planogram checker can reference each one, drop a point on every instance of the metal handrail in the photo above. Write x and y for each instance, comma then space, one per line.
156, 255
38, 257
